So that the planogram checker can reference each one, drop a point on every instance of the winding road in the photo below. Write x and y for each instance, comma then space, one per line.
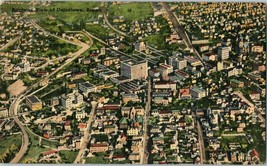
13, 110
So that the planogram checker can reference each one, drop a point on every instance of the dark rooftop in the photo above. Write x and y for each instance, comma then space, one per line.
33, 99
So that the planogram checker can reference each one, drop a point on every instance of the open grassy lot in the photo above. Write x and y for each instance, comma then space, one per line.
57, 48
68, 156
97, 159
51, 144
34, 149
131, 11
98, 30
156, 40
6, 142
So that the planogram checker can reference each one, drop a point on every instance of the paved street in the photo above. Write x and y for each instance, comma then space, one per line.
10, 43
144, 155
112, 27
201, 144
13, 111
181, 31
87, 133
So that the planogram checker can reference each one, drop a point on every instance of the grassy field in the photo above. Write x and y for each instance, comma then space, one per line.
6, 142
57, 48
51, 144
68, 156
34, 149
98, 30
131, 11
98, 159
234, 139
155, 40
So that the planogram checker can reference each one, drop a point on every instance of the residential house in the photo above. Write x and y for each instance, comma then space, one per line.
67, 125
3, 112
197, 92
133, 132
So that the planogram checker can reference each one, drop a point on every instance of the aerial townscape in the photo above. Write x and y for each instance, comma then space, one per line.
132, 82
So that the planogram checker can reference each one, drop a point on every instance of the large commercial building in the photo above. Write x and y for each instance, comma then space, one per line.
134, 69
192, 61
86, 87
177, 62
34, 103
197, 92
165, 69
71, 100
223, 53
165, 85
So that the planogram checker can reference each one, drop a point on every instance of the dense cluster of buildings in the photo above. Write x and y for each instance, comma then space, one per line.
205, 109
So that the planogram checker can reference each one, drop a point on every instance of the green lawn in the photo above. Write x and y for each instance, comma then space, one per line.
51, 144
6, 142
235, 139
131, 11
34, 149
68, 156
121, 162
97, 159
96, 45
56, 47
156, 40
98, 30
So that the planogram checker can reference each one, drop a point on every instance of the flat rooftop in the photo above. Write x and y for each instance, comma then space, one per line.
197, 89
121, 78
33, 99
87, 84
132, 62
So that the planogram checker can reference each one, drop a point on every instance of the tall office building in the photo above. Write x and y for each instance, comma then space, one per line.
223, 53
134, 69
